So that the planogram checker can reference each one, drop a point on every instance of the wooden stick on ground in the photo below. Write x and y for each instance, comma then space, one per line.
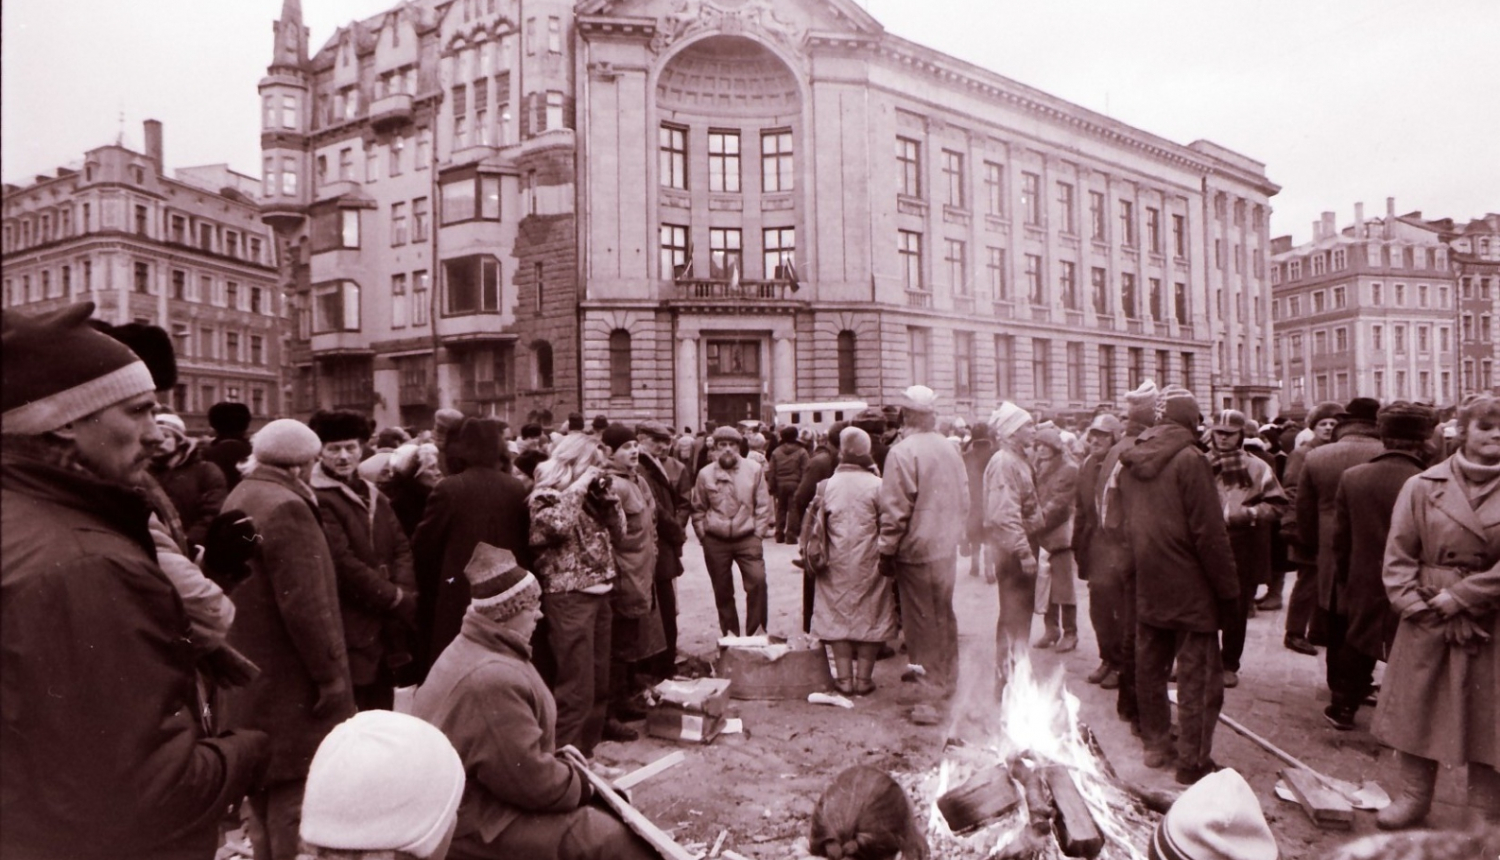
636, 820
641, 774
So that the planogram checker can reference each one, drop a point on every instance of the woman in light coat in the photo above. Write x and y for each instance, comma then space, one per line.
856, 610
1442, 574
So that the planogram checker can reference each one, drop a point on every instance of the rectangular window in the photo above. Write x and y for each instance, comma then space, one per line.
424, 148
334, 229
232, 346
995, 270
1377, 297
779, 249
1107, 390
1180, 300
732, 357
1041, 368
143, 277
724, 161
1128, 297
421, 297
472, 284
1341, 340
908, 167
1377, 337
1005, 368
257, 350
954, 260
470, 197
179, 284
918, 340
953, 178
207, 343
1099, 288
1137, 369
1424, 339
1031, 198
419, 220
674, 252
1179, 236
1154, 298
1035, 290
1067, 284
963, 364
1422, 297
672, 156
994, 189
1127, 223
335, 307
399, 308
725, 255
554, 34
776, 161
909, 246
1097, 221
1075, 373
346, 164
1065, 208
555, 110
1400, 295
1153, 230
398, 224
1398, 337
1445, 339
393, 162
231, 295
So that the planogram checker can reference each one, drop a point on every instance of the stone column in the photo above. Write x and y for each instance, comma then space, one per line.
689, 410
783, 369
448, 377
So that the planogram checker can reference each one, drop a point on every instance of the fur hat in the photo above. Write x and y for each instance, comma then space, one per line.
575, 422
854, 442
1360, 409
339, 425
56, 368
151, 343
498, 586
1007, 419
615, 435
726, 434
1140, 404
1218, 818
1178, 405
382, 781
475, 442
1326, 409
788, 434
286, 442
229, 419
391, 438
599, 424
531, 431
980, 432
1408, 421
920, 398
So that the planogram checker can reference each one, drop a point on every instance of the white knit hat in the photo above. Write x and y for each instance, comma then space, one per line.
285, 442
382, 781
1007, 419
920, 398
1218, 818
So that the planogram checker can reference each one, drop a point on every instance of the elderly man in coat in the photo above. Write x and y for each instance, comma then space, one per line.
732, 517
106, 750
1303, 603
924, 506
1366, 496
1186, 586
288, 624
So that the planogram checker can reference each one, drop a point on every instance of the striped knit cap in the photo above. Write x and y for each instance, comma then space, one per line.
58, 369
500, 588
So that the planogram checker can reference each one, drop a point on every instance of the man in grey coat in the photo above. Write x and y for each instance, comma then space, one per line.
924, 511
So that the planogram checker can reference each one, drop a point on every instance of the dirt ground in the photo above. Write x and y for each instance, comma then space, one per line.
759, 787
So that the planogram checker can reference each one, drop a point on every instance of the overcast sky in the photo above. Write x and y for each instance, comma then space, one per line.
1344, 100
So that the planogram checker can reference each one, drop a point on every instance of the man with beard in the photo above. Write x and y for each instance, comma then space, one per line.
732, 516
106, 748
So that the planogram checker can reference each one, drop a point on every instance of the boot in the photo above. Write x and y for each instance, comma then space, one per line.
864, 667
1418, 778
843, 663
1484, 795
1069, 639
1052, 634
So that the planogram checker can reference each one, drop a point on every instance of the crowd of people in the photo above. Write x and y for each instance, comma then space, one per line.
188, 623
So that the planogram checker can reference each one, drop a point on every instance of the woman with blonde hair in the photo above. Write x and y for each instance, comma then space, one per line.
575, 520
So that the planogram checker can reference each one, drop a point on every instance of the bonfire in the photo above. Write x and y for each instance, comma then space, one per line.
1030, 781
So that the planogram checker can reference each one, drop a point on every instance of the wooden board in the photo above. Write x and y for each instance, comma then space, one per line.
1077, 834
641, 774
983, 798
1327, 808
637, 821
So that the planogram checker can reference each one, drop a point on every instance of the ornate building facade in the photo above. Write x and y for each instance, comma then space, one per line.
186, 252
696, 209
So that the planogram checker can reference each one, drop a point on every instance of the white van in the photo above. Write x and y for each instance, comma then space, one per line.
818, 416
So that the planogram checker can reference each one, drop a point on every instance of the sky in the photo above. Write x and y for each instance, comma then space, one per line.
1343, 100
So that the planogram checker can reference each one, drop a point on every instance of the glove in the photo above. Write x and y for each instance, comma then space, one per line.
228, 547
1228, 608
257, 747
333, 697
1461, 630
1028, 564
887, 565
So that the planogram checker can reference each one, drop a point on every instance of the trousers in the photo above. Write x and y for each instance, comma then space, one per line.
746, 553
1351, 673
927, 617
1106, 594
1303, 602
1017, 592
578, 633
1244, 546
784, 518
586, 833
1200, 690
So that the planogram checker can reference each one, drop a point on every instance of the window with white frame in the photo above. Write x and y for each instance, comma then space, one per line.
909, 247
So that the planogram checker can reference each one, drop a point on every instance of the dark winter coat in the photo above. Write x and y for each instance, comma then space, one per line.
103, 752
481, 503
227, 452
672, 512
1291, 480
975, 460
1056, 492
1086, 513
1183, 562
1109, 552
788, 463
1362, 522
287, 623
373, 562
1316, 490
489, 700
197, 489
820, 467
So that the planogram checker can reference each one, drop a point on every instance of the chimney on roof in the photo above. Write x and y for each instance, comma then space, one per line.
1390, 217
1359, 220
1330, 225
153, 143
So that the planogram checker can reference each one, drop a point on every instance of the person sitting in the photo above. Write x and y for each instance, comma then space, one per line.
524, 797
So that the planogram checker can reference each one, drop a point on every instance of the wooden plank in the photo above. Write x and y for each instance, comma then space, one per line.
641, 774
1077, 834
1327, 808
636, 820
982, 799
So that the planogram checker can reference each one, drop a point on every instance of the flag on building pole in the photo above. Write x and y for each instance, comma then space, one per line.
734, 277
789, 271
685, 268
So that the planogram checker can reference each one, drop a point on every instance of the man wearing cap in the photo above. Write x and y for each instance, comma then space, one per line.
1185, 584
1252, 501
672, 514
1303, 602
288, 624
524, 797
1104, 590
1356, 440
924, 509
1361, 632
106, 748
1012, 515
731, 516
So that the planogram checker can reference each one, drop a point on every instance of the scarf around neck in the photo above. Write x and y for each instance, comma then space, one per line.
1478, 480
1230, 466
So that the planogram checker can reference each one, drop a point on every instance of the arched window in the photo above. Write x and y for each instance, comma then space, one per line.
619, 363
848, 382
541, 364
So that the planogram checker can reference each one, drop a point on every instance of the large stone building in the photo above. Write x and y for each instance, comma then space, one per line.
186, 252
1474, 254
1368, 310
695, 209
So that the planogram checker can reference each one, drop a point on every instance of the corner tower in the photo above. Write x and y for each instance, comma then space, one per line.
285, 115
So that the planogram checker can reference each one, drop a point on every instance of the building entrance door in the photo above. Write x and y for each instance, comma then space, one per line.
732, 408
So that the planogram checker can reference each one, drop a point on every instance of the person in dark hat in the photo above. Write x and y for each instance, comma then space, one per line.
229, 447
1303, 603
1361, 631
1356, 440
787, 464
377, 588
105, 750
876, 423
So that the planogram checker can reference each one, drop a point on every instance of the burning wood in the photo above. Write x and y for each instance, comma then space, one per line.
984, 799
1076, 832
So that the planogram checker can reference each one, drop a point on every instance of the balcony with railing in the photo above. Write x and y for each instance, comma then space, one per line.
391, 111
918, 299
723, 290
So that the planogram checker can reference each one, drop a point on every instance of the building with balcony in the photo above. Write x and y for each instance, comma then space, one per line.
695, 210
187, 252
1369, 310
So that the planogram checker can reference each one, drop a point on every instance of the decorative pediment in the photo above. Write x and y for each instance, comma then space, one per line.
784, 22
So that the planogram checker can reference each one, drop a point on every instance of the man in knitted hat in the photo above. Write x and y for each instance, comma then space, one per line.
1304, 598
1362, 631
1185, 584
288, 624
524, 797
1219, 818
732, 516
377, 585
1104, 592
382, 783
924, 507
1012, 515
106, 751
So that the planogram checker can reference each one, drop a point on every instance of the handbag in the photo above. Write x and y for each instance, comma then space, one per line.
814, 537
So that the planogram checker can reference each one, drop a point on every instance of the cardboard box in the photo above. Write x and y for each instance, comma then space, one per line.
675, 724
708, 696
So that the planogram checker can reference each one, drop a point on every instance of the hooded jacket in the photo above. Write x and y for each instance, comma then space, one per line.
1178, 540
788, 462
